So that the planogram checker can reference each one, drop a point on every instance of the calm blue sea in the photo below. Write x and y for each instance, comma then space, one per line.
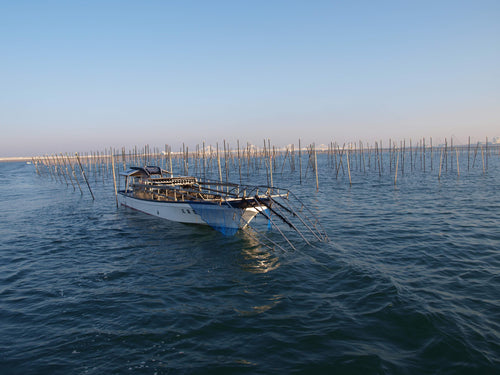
408, 284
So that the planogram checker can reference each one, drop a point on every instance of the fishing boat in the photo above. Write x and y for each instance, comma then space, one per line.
225, 206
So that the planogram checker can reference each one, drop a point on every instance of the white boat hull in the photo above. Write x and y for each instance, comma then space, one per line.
220, 217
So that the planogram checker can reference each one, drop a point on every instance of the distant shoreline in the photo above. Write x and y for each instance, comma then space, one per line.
15, 158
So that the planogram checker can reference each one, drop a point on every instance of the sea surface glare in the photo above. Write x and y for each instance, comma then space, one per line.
409, 282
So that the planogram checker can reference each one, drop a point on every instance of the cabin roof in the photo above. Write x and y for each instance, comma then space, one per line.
146, 171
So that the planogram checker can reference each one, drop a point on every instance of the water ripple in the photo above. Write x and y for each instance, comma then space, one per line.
409, 284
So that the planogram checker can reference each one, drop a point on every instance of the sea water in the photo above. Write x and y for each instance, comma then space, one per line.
409, 282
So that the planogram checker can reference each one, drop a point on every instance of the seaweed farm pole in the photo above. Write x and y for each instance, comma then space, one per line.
270, 161
381, 155
446, 154
475, 154
239, 160
458, 166
468, 154
348, 166
74, 174
486, 153
396, 174
431, 153
451, 151
423, 152
411, 157
335, 154
341, 164
84, 176
248, 160
316, 167
390, 157
440, 160
362, 155
482, 157
170, 160
36, 166
225, 160
67, 172
300, 164
61, 169
379, 151
114, 177
204, 162
218, 163
402, 156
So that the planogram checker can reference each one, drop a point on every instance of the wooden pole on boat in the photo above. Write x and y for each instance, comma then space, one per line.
114, 178
84, 176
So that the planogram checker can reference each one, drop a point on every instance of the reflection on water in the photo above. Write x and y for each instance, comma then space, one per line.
259, 309
256, 257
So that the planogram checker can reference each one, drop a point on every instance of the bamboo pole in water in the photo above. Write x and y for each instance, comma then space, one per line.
239, 160
468, 154
84, 176
475, 154
316, 168
451, 152
67, 172
396, 174
300, 163
486, 153
270, 163
59, 168
114, 178
431, 153
74, 174
423, 152
218, 163
348, 166
390, 156
440, 160
482, 158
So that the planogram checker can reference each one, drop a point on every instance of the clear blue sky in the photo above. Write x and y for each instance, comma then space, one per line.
86, 75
